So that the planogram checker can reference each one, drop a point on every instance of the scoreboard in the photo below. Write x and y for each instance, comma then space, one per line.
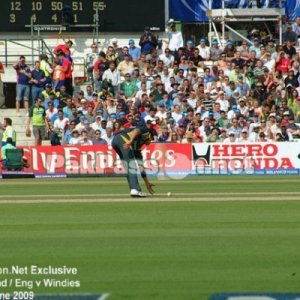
114, 15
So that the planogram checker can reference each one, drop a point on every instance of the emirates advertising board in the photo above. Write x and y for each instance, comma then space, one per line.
175, 161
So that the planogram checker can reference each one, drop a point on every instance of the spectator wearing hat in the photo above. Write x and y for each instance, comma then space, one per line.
159, 91
256, 47
221, 99
134, 52
148, 41
268, 62
270, 47
117, 49
83, 106
204, 50
121, 116
233, 112
215, 51
161, 112
290, 35
75, 138
229, 50
231, 138
80, 126
96, 125
188, 51
175, 40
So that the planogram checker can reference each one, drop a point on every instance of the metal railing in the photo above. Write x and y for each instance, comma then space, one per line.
10, 54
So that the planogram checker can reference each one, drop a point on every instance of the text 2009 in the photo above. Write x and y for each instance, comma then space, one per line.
22, 295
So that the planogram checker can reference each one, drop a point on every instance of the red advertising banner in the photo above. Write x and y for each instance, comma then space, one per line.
100, 160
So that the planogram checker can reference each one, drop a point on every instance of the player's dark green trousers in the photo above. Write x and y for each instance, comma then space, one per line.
128, 160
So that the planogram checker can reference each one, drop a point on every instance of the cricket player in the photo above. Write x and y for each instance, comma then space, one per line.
128, 143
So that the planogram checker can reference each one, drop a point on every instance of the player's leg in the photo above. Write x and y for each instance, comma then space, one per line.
128, 160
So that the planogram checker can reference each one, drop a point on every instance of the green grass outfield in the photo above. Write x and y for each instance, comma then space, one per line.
214, 234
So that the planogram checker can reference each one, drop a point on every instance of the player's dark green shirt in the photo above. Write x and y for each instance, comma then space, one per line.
139, 141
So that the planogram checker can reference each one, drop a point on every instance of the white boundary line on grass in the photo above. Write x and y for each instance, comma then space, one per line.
158, 195
149, 199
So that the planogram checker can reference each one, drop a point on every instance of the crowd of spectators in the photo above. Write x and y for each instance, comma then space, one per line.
184, 92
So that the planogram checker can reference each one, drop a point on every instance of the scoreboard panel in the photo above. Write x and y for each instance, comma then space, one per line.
114, 15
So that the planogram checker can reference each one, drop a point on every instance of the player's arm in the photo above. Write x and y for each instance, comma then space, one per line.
133, 135
139, 158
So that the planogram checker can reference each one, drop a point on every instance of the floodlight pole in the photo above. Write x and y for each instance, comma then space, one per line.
223, 23
210, 24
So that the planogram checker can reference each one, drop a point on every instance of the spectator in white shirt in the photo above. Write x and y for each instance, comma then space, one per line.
61, 121
204, 50
175, 37
167, 58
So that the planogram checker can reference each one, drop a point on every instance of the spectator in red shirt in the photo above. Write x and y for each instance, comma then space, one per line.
283, 63
67, 68
65, 48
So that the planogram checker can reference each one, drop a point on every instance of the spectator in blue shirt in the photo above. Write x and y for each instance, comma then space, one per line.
134, 52
38, 80
23, 78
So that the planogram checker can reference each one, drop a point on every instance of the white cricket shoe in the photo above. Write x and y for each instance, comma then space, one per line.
136, 193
